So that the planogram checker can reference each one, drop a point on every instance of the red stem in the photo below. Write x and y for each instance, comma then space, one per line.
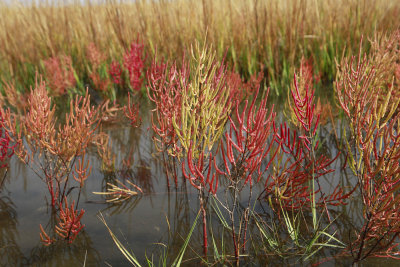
203, 211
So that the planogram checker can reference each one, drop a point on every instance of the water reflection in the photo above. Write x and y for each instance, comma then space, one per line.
153, 223
179, 218
10, 252
82, 251
143, 176
126, 206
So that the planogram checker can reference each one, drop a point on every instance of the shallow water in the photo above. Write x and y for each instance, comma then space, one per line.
140, 221
153, 223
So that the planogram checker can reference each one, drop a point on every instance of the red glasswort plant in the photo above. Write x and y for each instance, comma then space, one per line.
13, 97
201, 174
131, 111
98, 71
82, 171
240, 89
94, 55
373, 149
6, 148
292, 184
296, 175
295, 179
134, 64
247, 154
52, 149
247, 143
164, 89
69, 221
60, 74
44, 237
115, 72
69, 224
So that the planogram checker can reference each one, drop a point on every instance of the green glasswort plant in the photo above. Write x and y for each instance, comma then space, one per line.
204, 110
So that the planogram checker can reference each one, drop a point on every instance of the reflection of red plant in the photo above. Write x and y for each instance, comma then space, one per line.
134, 63
69, 224
60, 74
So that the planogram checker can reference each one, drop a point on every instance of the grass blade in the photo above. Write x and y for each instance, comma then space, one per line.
178, 260
129, 256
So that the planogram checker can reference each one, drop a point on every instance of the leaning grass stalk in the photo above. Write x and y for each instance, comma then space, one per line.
129, 256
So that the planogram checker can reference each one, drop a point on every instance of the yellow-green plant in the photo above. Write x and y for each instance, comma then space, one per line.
205, 103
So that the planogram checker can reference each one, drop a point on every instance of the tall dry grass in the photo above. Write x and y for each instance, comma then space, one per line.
268, 35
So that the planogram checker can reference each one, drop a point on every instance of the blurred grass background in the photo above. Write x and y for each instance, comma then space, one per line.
270, 36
